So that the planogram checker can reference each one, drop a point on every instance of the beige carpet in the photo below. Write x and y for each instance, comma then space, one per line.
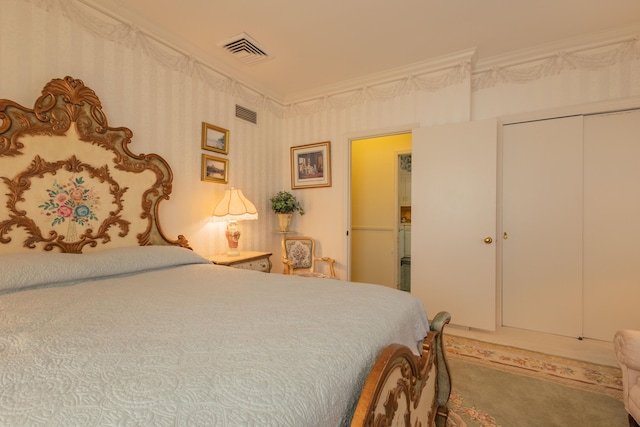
495, 385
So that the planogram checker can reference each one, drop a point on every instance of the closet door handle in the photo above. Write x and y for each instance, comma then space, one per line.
488, 240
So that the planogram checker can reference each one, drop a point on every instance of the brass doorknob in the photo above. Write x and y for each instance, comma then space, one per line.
488, 240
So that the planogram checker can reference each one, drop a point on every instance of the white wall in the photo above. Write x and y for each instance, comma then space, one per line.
161, 103
163, 95
612, 72
327, 208
574, 75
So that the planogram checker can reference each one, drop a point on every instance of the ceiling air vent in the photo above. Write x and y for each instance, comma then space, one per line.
246, 49
246, 114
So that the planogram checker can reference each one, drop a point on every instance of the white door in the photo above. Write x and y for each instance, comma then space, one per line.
612, 224
454, 211
542, 219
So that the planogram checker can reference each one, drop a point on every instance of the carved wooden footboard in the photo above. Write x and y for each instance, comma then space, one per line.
406, 390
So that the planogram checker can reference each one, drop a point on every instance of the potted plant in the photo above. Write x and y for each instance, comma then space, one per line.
285, 204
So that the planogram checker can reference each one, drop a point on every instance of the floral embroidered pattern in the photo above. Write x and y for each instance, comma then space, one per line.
300, 254
38, 211
71, 201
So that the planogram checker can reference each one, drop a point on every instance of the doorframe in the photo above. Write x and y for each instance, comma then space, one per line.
349, 138
599, 107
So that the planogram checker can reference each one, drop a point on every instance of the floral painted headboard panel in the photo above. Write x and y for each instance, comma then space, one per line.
68, 181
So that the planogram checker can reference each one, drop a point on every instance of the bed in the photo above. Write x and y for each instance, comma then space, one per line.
107, 321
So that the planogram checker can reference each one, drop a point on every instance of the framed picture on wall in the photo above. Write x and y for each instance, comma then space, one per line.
215, 169
215, 138
311, 165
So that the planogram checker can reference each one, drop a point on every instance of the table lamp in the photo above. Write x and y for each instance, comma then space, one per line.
232, 208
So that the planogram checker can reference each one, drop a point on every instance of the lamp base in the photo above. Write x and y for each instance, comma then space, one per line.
233, 237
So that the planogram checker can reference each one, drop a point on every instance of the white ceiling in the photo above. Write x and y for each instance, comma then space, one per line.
319, 43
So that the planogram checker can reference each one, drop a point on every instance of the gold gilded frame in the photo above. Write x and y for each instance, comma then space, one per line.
215, 169
311, 165
215, 139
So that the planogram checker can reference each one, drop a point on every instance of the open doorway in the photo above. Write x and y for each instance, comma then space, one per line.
375, 208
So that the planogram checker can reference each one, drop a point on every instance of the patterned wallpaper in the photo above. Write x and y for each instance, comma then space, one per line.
163, 95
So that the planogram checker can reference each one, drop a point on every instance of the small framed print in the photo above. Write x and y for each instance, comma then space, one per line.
215, 138
311, 165
215, 169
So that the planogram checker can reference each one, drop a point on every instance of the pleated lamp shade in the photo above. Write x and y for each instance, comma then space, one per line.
232, 208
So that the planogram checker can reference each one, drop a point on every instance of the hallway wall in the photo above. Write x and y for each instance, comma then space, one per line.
374, 208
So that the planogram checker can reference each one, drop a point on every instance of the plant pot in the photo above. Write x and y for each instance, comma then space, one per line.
284, 221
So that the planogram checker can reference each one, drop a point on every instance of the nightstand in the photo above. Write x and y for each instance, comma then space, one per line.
258, 261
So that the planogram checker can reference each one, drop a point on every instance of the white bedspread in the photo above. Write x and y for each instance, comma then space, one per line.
188, 343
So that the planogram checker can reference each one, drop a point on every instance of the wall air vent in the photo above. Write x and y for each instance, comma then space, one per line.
246, 49
246, 114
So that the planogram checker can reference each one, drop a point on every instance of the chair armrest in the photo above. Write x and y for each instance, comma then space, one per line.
627, 347
288, 266
330, 261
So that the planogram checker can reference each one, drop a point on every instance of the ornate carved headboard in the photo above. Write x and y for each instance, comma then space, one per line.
68, 180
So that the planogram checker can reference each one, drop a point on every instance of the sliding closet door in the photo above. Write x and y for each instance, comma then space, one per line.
542, 221
612, 224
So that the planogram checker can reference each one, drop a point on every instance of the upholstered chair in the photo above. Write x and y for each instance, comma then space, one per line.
627, 348
299, 257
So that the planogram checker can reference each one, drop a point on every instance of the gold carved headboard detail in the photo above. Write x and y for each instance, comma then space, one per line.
69, 181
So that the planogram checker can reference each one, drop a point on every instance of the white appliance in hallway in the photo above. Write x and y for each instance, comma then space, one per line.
405, 241
405, 257
404, 233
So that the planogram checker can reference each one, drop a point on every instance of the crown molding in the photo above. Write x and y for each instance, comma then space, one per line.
575, 44
177, 44
115, 10
416, 69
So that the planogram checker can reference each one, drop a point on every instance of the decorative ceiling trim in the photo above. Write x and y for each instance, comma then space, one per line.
423, 68
590, 52
109, 26
594, 56
454, 74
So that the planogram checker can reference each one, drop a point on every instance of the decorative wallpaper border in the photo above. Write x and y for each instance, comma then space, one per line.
588, 59
116, 29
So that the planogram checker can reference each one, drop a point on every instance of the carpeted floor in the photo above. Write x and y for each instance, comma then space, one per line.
503, 386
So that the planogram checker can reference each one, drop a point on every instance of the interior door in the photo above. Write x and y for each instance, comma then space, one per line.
454, 211
612, 224
542, 218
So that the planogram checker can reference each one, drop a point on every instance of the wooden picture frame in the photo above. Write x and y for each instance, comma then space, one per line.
215, 138
215, 169
311, 165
